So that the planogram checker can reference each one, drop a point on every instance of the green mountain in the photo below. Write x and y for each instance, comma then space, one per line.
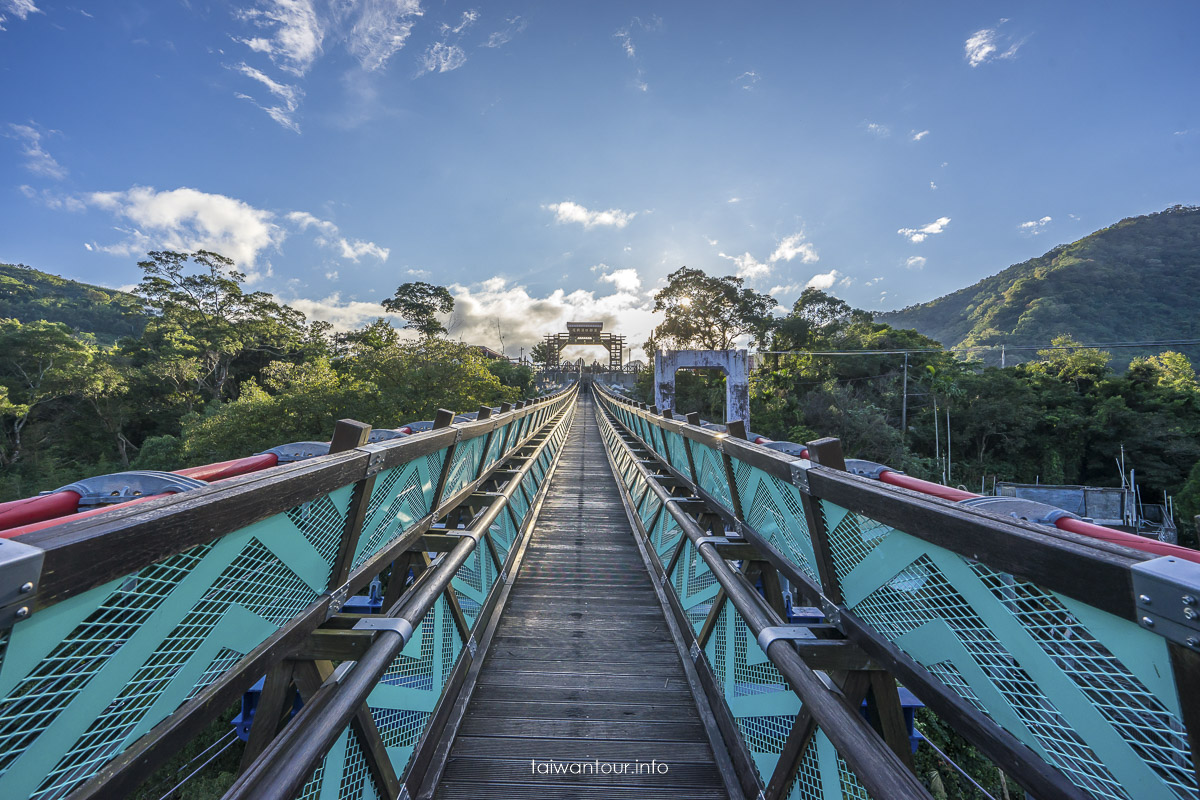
1137, 280
28, 295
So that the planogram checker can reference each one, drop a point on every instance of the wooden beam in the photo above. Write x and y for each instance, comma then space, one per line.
887, 716
1185, 665
274, 704
309, 676
334, 644
347, 435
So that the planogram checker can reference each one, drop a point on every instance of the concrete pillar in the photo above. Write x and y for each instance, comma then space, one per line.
734, 363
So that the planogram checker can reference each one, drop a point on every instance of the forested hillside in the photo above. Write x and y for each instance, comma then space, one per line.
1137, 280
28, 295
191, 369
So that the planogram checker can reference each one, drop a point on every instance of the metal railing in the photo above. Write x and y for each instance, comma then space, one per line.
129, 632
1031, 642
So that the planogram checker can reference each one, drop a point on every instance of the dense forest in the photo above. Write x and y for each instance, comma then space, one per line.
1137, 280
1061, 417
190, 369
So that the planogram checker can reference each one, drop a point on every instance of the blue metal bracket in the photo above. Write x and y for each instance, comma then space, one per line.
121, 487
298, 451
1018, 508
868, 469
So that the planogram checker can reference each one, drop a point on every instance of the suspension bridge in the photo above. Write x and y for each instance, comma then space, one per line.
580, 596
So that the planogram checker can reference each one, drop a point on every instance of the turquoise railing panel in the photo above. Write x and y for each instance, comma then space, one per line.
405, 699
84, 678
1045, 669
773, 508
402, 495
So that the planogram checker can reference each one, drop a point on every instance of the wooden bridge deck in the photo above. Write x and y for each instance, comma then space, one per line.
583, 671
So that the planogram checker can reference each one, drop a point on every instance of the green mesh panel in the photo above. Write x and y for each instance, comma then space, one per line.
773, 509
710, 470
402, 496
100, 669
464, 468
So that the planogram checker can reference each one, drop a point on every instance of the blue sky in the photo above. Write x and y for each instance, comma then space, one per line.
555, 161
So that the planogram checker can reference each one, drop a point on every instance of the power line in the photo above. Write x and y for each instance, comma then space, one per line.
983, 347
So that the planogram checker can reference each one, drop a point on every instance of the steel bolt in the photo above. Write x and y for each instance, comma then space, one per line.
1192, 641
26, 587
1144, 599
22, 612
1190, 613
1189, 600
1149, 623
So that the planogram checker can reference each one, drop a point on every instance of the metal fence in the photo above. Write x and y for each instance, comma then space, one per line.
134, 629
1029, 641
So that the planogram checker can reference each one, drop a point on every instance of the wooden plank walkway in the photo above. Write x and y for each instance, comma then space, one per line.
582, 668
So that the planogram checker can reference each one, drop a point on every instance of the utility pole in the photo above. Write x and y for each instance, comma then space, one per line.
904, 404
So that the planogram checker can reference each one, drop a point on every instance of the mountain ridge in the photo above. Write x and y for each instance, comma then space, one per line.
1135, 280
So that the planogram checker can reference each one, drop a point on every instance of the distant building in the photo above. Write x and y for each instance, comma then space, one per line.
489, 353
1119, 508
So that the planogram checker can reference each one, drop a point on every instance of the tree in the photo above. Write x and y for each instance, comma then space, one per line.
39, 362
208, 315
419, 303
1069, 360
815, 318
708, 313
539, 353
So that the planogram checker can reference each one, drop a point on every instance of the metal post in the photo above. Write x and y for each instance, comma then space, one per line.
904, 405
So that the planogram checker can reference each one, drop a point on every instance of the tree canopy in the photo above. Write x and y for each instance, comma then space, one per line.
419, 303
708, 313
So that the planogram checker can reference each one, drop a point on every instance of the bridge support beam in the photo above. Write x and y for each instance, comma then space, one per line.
734, 363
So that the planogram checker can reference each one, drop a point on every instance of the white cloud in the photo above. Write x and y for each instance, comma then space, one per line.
734, 200
52, 199
824, 280
306, 220
296, 33
343, 315
357, 248
882, 131
417, 273
918, 235
989, 44
37, 160
918, 136
331, 237
380, 28
188, 219
468, 19
747, 79
933, 185
289, 96
293, 35
873, 281
568, 211
625, 37
625, 280
748, 266
515, 25
525, 319
1034, 226
445, 56
792, 246
787, 249
442, 57
332, 275
21, 9
914, 262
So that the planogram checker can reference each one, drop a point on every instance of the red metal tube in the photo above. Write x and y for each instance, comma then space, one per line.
230, 469
1127, 539
49, 523
925, 487
16, 513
